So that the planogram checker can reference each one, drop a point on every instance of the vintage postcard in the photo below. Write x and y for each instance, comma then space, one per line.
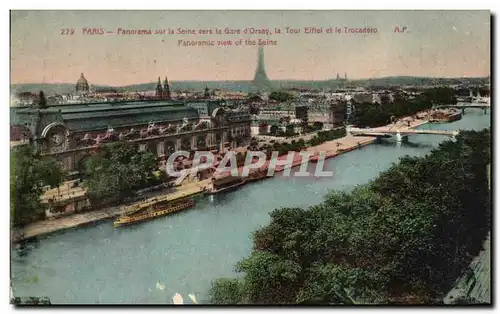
250, 157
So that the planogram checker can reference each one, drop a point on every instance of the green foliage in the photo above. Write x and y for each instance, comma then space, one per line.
226, 291
403, 238
324, 136
280, 96
317, 126
42, 102
117, 170
441, 95
336, 284
254, 97
273, 130
300, 144
482, 92
269, 279
29, 174
374, 115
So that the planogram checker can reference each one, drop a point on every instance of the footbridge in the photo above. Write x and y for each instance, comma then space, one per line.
463, 106
399, 133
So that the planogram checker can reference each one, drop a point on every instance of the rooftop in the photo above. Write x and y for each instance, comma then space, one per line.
95, 116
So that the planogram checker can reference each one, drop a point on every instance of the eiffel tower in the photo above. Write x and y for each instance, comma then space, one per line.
260, 80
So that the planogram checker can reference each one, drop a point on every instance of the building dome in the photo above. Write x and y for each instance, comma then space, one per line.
82, 85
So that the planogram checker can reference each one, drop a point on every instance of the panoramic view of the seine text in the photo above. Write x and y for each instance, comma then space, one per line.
250, 157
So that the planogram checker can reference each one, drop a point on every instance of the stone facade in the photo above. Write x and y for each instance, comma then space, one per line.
70, 133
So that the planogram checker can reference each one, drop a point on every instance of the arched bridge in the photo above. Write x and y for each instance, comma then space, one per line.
462, 106
400, 133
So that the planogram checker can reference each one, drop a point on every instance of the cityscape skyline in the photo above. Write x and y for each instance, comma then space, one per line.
441, 44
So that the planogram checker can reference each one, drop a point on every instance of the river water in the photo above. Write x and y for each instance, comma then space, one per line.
98, 264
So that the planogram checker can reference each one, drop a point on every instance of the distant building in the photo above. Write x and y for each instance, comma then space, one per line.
166, 89
159, 89
82, 86
72, 132
26, 98
363, 97
338, 78
301, 113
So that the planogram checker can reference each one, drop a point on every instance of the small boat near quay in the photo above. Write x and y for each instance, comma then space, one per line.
256, 175
225, 183
154, 211
225, 189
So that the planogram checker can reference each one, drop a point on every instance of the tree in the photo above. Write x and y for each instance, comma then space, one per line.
254, 97
280, 96
318, 125
42, 102
273, 130
117, 170
253, 109
269, 279
226, 291
404, 237
30, 173
385, 99
441, 95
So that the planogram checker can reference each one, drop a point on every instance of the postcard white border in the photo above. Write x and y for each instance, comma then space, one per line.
186, 4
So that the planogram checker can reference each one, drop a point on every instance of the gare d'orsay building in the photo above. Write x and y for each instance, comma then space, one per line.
72, 132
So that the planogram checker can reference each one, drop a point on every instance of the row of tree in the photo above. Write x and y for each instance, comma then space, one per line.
280, 96
378, 114
116, 171
402, 238
297, 146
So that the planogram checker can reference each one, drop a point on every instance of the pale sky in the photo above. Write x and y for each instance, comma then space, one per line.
438, 44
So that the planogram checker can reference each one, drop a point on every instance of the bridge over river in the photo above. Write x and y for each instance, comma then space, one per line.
400, 133
463, 106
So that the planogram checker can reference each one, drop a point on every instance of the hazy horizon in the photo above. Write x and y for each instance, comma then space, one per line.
272, 80
440, 44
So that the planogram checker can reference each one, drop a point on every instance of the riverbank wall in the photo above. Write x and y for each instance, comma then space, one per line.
452, 117
475, 285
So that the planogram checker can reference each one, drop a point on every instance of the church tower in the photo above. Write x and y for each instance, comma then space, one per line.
345, 76
207, 92
338, 77
159, 89
166, 89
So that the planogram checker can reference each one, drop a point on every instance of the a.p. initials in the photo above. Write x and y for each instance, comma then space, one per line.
400, 29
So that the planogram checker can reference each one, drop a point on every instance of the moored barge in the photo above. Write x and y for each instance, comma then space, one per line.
156, 210
225, 183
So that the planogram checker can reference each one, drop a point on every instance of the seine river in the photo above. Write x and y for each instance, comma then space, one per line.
98, 264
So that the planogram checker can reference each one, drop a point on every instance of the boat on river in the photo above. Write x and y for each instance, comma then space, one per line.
225, 189
154, 211
256, 175
225, 183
